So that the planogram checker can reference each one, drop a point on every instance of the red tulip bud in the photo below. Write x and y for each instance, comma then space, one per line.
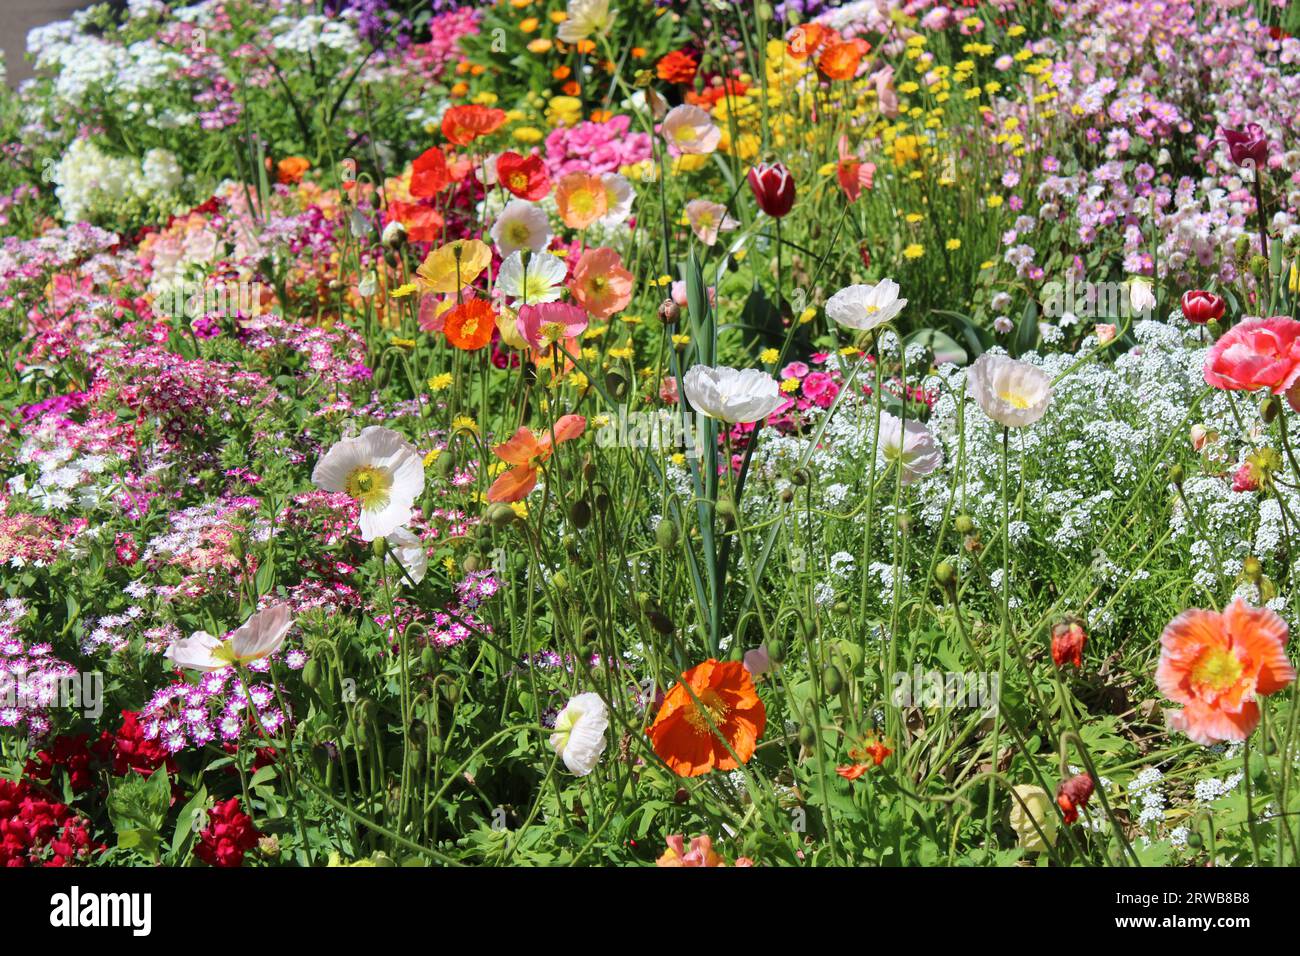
1247, 146
773, 187
1202, 307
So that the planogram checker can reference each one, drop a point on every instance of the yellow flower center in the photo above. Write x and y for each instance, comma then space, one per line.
519, 181
716, 707
1015, 399
369, 486
1217, 669
517, 233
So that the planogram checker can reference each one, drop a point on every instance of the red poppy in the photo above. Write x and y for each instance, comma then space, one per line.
1068, 639
470, 325
429, 175
525, 176
839, 61
423, 223
1073, 795
464, 124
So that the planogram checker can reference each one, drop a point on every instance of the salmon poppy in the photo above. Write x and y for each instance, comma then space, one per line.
581, 199
464, 124
524, 176
429, 175
290, 169
526, 451
806, 38
600, 283
853, 174
470, 325
1216, 665
423, 223
840, 61
724, 695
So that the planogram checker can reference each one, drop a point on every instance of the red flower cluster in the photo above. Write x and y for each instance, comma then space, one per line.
37, 831
228, 836
678, 67
122, 752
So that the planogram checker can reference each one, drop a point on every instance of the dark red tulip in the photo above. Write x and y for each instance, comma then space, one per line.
1201, 307
1248, 145
773, 187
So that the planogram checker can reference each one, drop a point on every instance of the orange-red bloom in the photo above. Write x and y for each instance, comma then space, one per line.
871, 753
840, 61
524, 176
853, 174
677, 67
429, 175
806, 38
464, 124
423, 223
1068, 640
1216, 665
700, 853
681, 734
526, 451
600, 283
1073, 795
469, 325
290, 169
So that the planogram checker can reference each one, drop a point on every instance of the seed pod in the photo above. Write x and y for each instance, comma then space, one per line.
580, 514
832, 679
807, 735
964, 524
666, 534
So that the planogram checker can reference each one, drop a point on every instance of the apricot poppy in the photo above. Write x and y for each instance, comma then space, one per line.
469, 326
853, 174
720, 692
600, 283
429, 175
1216, 665
524, 176
526, 451
466, 123
581, 199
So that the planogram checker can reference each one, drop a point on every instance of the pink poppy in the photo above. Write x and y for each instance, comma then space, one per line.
1258, 353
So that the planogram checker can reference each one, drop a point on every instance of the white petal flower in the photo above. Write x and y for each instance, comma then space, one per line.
260, 636
691, 130
540, 279
730, 395
579, 736
910, 444
406, 547
707, 219
196, 652
864, 307
521, 225
1011, 393
381, 470
586, 18
619, 196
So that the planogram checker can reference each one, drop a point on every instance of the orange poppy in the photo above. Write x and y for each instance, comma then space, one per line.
464, 124
526, 451
469, 325
1216, 665
290, 169
806, 38
581, 199
681, 734
677, 67
839, 61
872, 753
429, 175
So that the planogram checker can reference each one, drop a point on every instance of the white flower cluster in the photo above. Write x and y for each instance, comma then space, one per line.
309, 34
92, 185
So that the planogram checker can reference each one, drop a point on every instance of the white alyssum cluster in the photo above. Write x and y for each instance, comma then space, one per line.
92, 185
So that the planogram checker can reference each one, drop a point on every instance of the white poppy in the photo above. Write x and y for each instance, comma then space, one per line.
585, 18
864, 307
521, 225
540, 279
1140, 297
381, 470
260, 636
730, 395
1034, 806
707, 219
910, 445
1011, 393
691, 130
619, 196
404, 546
579, 736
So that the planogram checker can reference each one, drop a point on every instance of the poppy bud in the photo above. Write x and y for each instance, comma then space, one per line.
775, 649
311, 673
1068, 640
379, 546
660, 621
1176, 476
787, 496
945, 575
681, 796
1073, 795
666, 534
1200, 307
501, 515
616, 384
1251, 568
726, 509
669, 312
833, 680
580, 513
800, 477
807, 736
1269, 408
773, 188
429, 658
964, 524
